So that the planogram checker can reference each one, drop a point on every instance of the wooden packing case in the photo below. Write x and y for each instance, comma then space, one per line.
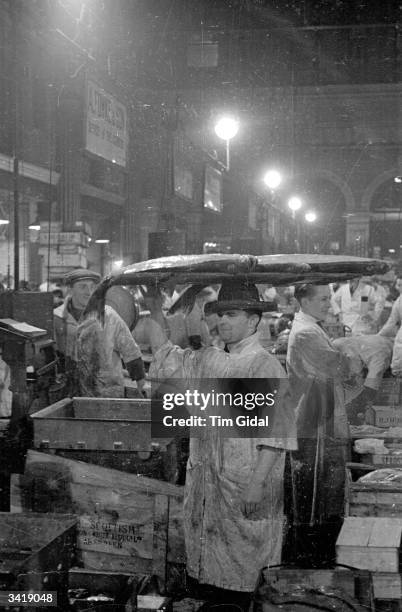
126, 523
373, 499
92, 423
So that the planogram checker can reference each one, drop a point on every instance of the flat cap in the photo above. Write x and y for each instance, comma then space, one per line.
81, 274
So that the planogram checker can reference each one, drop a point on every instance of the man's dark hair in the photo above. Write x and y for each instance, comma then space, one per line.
306, 290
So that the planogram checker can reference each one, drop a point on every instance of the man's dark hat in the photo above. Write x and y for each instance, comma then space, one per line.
81, 274
237, 295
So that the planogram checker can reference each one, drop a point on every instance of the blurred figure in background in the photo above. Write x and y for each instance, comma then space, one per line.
81, 283
369, 357
270, 295
106, 350
356, 305
392, 325
287, 301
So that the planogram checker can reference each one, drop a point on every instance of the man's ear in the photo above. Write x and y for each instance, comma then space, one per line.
254, 320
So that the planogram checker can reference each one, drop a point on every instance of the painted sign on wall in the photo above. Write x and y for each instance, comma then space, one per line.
106, 125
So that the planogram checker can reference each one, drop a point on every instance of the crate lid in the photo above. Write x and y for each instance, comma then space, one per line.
376, 532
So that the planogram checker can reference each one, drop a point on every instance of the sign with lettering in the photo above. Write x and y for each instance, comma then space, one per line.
106, 125
118, 537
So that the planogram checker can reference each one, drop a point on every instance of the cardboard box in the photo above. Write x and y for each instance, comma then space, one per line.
370, 543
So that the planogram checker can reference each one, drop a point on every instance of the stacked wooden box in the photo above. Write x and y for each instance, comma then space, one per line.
126, 523
114, 433
372, 531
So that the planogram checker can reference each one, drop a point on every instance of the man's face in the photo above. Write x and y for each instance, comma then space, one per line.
318, 305
81, 292
235, 325
398, 285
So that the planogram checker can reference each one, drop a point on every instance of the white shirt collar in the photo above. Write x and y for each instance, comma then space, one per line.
238, 347
303, 317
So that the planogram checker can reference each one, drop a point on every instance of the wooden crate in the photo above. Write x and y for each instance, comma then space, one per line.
284, 579
372, 499
384, 416
383, 460
162, 463
121, 587
371, 543
92, 423
353, 583
126, 523
36, 551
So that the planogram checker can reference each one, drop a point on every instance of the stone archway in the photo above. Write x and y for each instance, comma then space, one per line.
367, 199
331, 197
383, 201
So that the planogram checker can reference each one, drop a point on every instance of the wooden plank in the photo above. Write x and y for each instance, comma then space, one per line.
366, 510
160, 539
104, 477
59, 408
370, 543
114, 563
362, 557
355, 532
386, 532
387, 585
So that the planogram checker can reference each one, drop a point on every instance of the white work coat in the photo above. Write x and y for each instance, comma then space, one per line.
392, 329
65, 330
100, 351
316, 370
312, 357
392, 325
224, 548
371, 352
350, 308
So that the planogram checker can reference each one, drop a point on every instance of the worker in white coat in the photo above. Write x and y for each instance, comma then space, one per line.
102, 349
392, 325
392, 329
370, 357
233, 508
316, 370
81, 283
356, 304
